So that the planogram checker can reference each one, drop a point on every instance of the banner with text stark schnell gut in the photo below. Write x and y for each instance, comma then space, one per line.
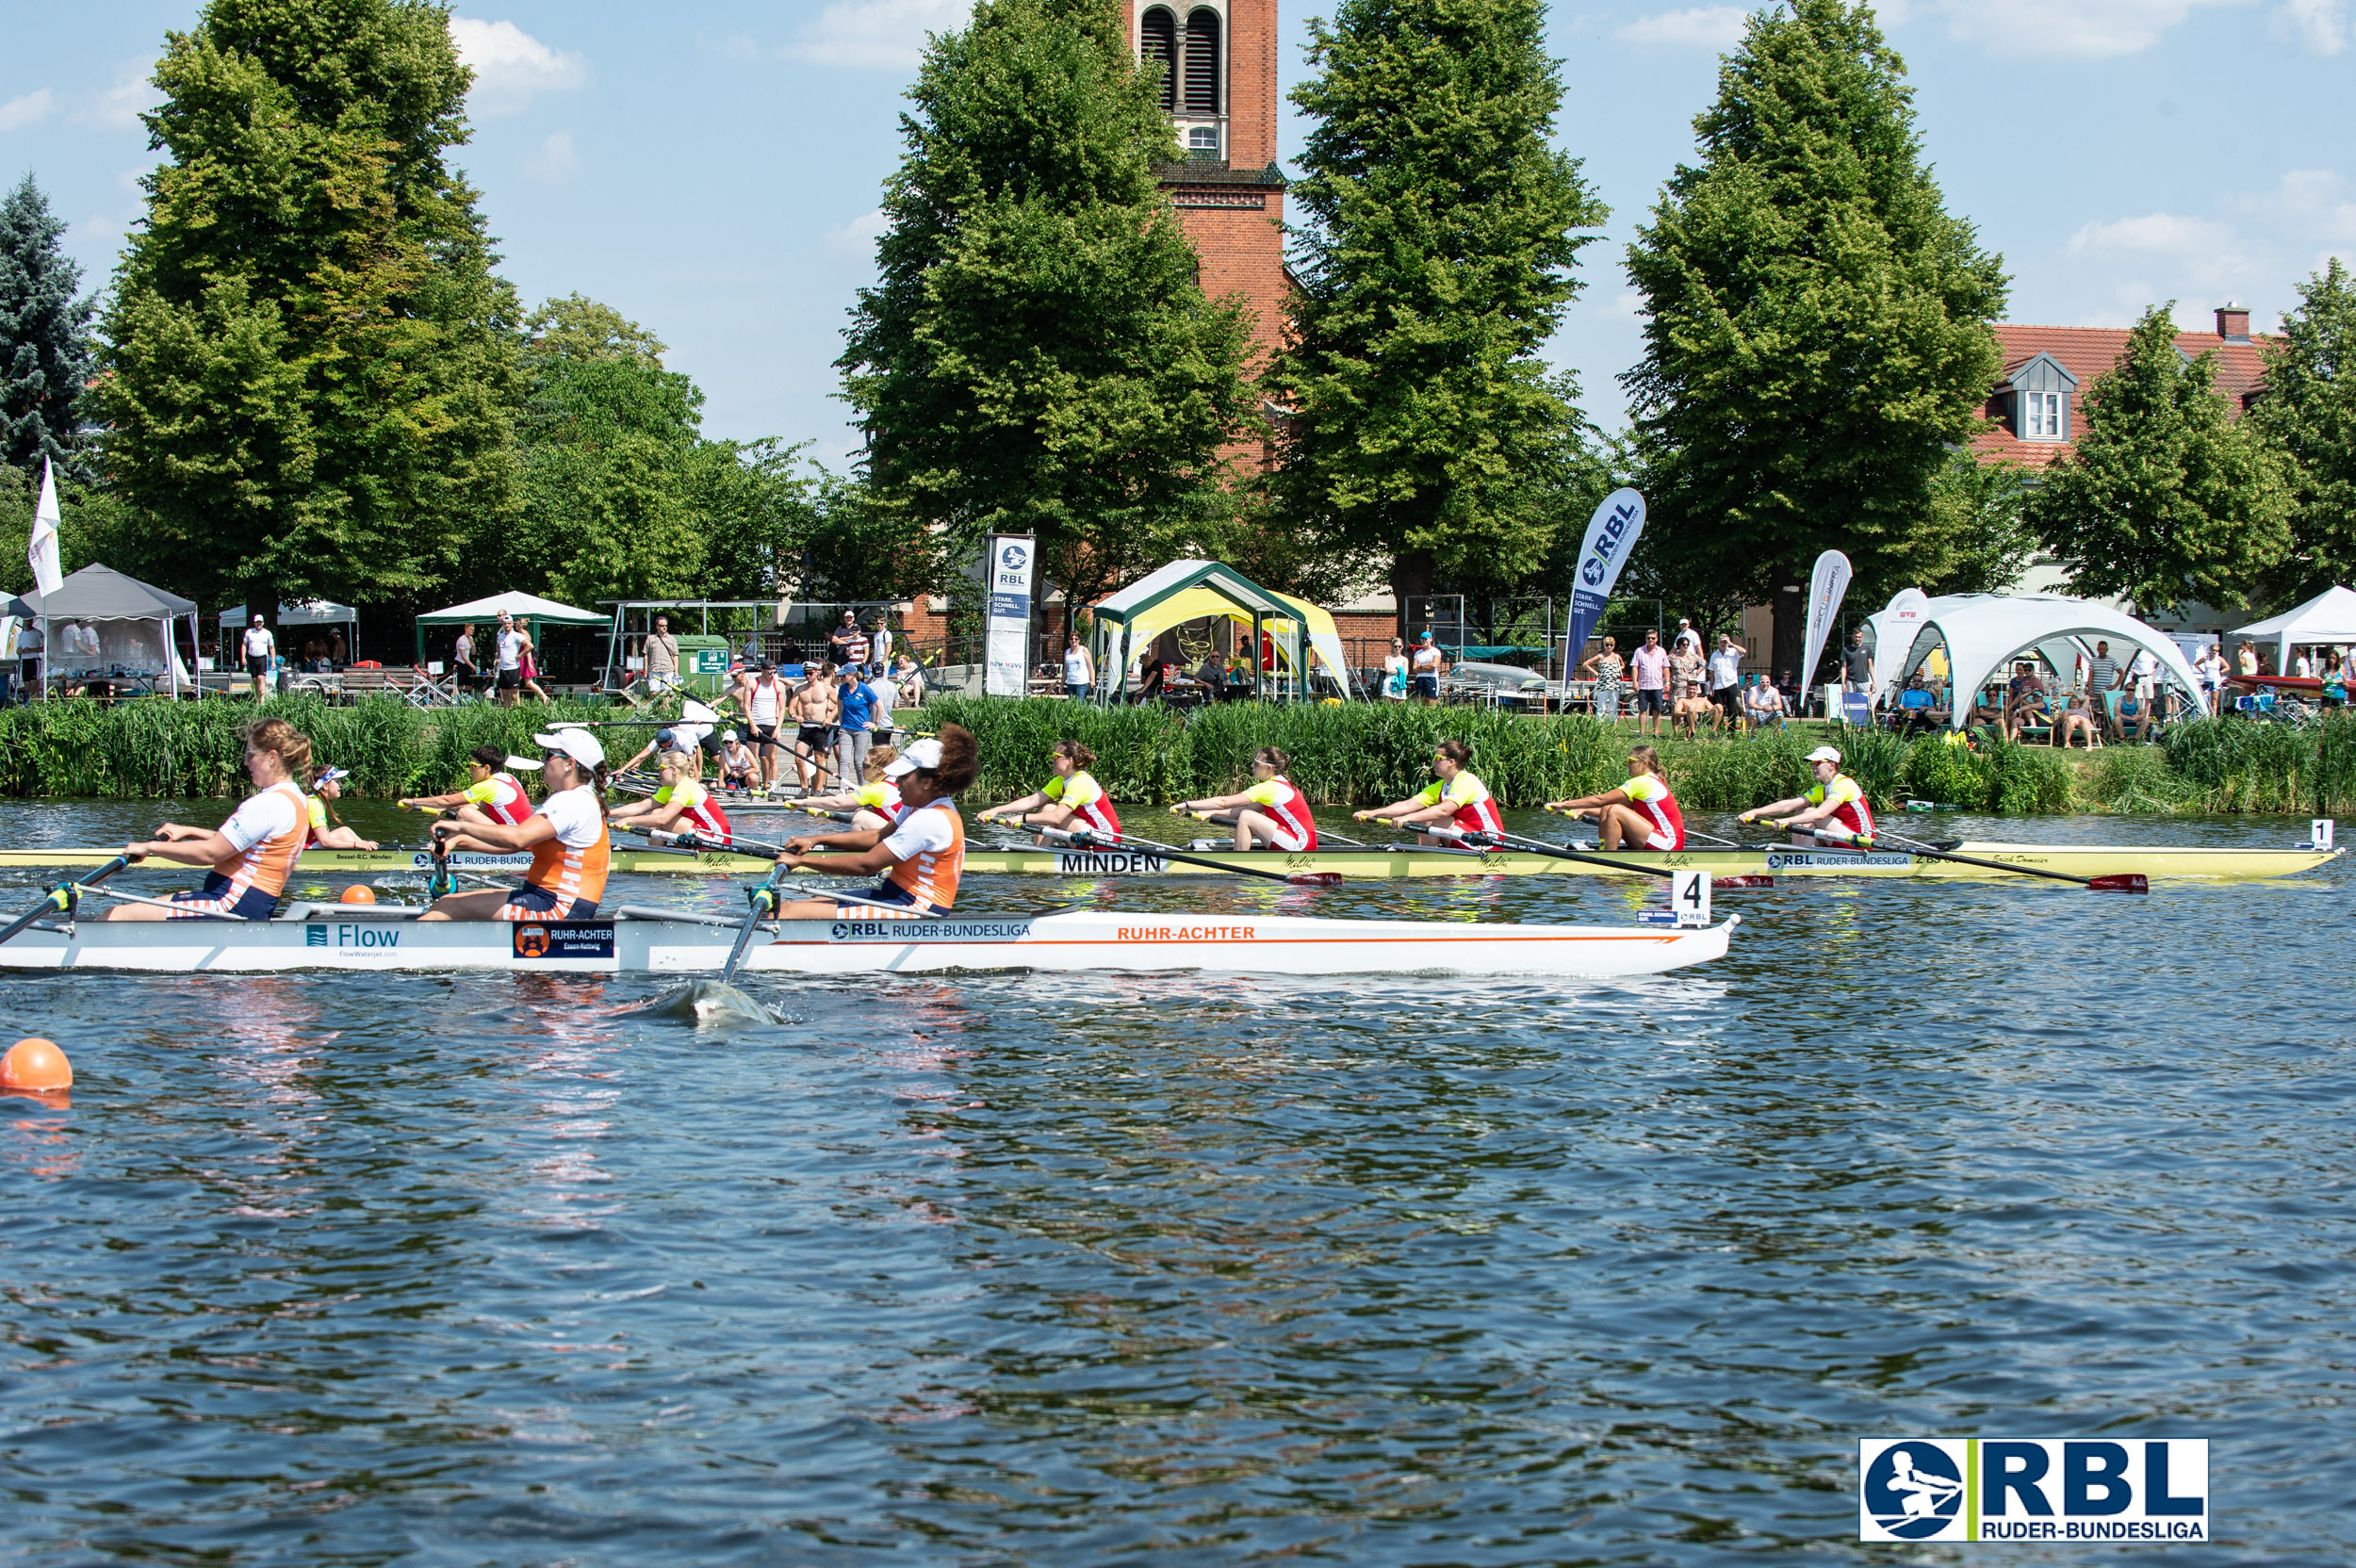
1827, 586
1006, 561
1611, 535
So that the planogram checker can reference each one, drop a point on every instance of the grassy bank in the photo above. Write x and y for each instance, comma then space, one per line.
1363, 754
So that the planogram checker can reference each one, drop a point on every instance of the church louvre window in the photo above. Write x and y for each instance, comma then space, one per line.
1157, 37
1202, 63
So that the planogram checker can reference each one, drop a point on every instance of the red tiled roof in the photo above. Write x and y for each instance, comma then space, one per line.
2087, 353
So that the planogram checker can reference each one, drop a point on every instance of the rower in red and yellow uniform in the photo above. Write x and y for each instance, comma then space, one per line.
571, 851
328, 830
921, 856
681, 803
496, 795
874, 804
1459, 799
1640, 814
252, 854
1271, 813
1072, 798
1834, 811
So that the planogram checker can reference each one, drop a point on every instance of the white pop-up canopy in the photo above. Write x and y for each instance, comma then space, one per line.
2329, 617
1984, 631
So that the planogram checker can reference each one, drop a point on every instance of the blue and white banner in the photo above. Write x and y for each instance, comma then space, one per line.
1610, 535
1006, 563
1827, 586
2142, 1491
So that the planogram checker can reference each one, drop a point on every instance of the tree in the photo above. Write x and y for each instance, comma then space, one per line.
45, 357
311, 364
1817, 330
2309, 414
1978, 516
1438, 257
1037, 355
2165, 498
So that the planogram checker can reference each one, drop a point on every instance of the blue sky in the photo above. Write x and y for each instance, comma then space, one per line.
713, 171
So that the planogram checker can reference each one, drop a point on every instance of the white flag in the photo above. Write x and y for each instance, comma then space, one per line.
1827, 586
40, 550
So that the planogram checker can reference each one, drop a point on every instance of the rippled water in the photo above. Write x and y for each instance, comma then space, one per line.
1053, 1269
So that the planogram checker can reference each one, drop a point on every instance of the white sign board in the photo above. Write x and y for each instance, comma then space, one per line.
2320, 831
1006, 563
1689, 895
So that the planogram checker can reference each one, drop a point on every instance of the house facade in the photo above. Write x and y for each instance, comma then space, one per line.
2047, 370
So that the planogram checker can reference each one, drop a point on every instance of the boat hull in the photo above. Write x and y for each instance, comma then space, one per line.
331, 938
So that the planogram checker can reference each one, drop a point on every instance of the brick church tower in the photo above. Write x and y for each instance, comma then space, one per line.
1220, 88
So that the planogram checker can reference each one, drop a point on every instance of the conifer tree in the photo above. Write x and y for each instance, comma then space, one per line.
2309, 412
44, 357
312, 362
1438, 257
1817, 330
1038, 355
2164, 499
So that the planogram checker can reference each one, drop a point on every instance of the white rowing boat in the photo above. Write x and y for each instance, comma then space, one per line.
342, 937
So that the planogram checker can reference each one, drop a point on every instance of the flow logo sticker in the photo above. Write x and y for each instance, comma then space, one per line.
2153, 1491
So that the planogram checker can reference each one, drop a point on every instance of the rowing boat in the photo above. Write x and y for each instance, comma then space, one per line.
1383, 864
345, 937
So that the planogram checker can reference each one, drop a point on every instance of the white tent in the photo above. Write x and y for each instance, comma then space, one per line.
2329, 617
524, 607
1984, 631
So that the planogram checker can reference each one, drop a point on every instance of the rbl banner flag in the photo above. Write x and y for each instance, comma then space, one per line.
1610, 535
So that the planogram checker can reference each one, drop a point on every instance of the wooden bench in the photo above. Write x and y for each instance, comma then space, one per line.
411, 685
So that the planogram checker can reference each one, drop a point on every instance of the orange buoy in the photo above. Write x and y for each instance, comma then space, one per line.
35, 1064
359, 893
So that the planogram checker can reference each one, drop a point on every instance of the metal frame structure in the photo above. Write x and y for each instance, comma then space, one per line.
645, 609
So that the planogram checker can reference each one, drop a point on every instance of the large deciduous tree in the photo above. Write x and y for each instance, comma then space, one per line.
311, 363
1443, 231
44, 352
1037, 355
2309, 412
1817, 326
2165, 498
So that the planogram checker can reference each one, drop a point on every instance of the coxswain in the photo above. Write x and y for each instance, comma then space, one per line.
1459, 799
254, 852
682, 804
570, 848
873, 804
1834, 811
1270, 812
1072, 798
919, 857
495, 795
1640, 814
328, 830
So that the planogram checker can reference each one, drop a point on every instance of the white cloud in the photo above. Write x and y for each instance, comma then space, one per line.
119, 107
857, 238
880, 33
2164, 232
28, 109
510, 65
2066, 29
2310, 205
1703, 27
2319, 26
555, 161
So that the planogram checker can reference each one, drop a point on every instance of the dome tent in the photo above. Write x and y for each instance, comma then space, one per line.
1984, 631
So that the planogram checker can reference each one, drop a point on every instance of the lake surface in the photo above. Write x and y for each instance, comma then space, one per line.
1072, 1270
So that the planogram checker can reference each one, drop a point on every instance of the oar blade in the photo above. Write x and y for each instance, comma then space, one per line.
1317, 879
2124, 882
1742, 879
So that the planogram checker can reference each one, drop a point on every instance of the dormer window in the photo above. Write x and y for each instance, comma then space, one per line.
2041, 417
2041, 400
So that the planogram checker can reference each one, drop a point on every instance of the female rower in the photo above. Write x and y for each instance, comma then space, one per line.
496, 795
1459, 798
739, 768
570, 848
1072, 798
1640, 814
681, 803
1271, 812
874, 805
1835, 811
326, 829
920, 857
252, 854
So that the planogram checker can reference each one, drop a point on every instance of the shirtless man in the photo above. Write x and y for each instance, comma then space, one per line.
814, 715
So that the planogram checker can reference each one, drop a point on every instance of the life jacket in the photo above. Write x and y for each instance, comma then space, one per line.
267, 863
931, 878
1650, 793
573, 874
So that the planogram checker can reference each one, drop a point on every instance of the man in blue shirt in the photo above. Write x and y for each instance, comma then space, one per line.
855, 733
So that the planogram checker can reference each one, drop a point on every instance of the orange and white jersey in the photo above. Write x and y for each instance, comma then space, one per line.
928, 841
1475, 810
270, 832
573, 864
502, 798
1850, 809
1649, 793
699, 810
1090, 803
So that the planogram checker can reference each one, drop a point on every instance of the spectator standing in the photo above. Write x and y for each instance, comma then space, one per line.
463, 663
260, 647
2210, 667
879, 645
1607, 671
509, 651
1687, 640
662, 658
1079, 672
1428, 666
842, 639
2101, 674
855, 707
1726, 679
1395, 673
886, 697
1856, 666
1651, 663
2246, 657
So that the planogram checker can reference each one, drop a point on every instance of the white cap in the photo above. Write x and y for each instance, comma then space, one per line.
921, 754
728, 735
1824, 753
574, 743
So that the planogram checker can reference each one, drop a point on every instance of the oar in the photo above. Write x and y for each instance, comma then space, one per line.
2120, 882
737, 842
764, 902
1612, 858
1711, 839
64, 896
1325, 835
1080, 837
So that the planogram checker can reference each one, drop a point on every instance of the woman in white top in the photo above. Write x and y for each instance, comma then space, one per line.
1079, 674
571, 851
1395, 673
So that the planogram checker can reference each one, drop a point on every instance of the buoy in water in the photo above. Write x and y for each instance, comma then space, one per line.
359, 893
35, 1063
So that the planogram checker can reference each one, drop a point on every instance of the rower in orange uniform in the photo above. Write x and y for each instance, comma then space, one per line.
252, 854
921, 855
571, 851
